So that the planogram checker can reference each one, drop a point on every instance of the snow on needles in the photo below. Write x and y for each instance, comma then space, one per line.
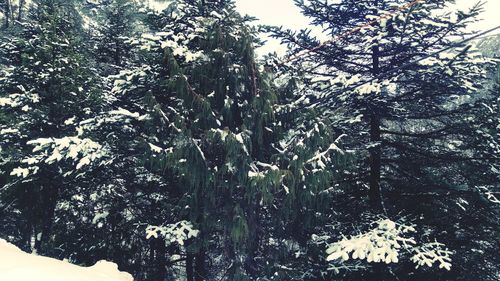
176, 232
385, 243
53, 150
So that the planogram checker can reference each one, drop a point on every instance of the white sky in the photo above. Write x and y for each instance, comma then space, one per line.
285, 13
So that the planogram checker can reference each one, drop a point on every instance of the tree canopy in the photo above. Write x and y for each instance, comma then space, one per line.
160, 141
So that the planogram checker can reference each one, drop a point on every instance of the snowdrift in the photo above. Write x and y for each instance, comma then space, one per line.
16, 265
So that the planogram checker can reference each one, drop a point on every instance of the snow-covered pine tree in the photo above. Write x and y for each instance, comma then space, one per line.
105, 213
118, 21
382, 48
45, 83
192, 161
480, 127
220, 105
408, 126
311, 153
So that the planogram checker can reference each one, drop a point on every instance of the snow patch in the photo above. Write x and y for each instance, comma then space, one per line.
16, 265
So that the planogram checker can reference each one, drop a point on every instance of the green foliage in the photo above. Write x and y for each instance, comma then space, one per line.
159, 141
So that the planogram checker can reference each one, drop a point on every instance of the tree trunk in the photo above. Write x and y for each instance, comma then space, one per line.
189, 266
375, 139
52, 194
37, 245
160, 259
26, 236
200, 273
229, 250
253, 242
117, 54
203, 6
20, 11
375, 162
7, 13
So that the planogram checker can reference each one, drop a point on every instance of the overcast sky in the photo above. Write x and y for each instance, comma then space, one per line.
285, 13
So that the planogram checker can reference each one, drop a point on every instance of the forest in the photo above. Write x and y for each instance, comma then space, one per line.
159, 140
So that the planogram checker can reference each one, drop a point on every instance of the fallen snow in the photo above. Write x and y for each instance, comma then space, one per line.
16, 265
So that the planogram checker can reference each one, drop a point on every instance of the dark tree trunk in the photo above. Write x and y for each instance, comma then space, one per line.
203, 8
151, 251
253, 242
200, 273
229, 250
26, 237
375, 139
20, 10
161, 259
52, 194
38, 243
7, 13
117, 55
189, 266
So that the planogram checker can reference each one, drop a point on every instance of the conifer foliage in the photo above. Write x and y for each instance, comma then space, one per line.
407, 118
159, 140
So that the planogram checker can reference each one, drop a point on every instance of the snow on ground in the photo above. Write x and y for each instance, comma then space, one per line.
16, 265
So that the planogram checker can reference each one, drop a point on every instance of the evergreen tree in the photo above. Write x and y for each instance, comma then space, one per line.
215, 105
44, 85
411, 130
157, 140
118, 24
